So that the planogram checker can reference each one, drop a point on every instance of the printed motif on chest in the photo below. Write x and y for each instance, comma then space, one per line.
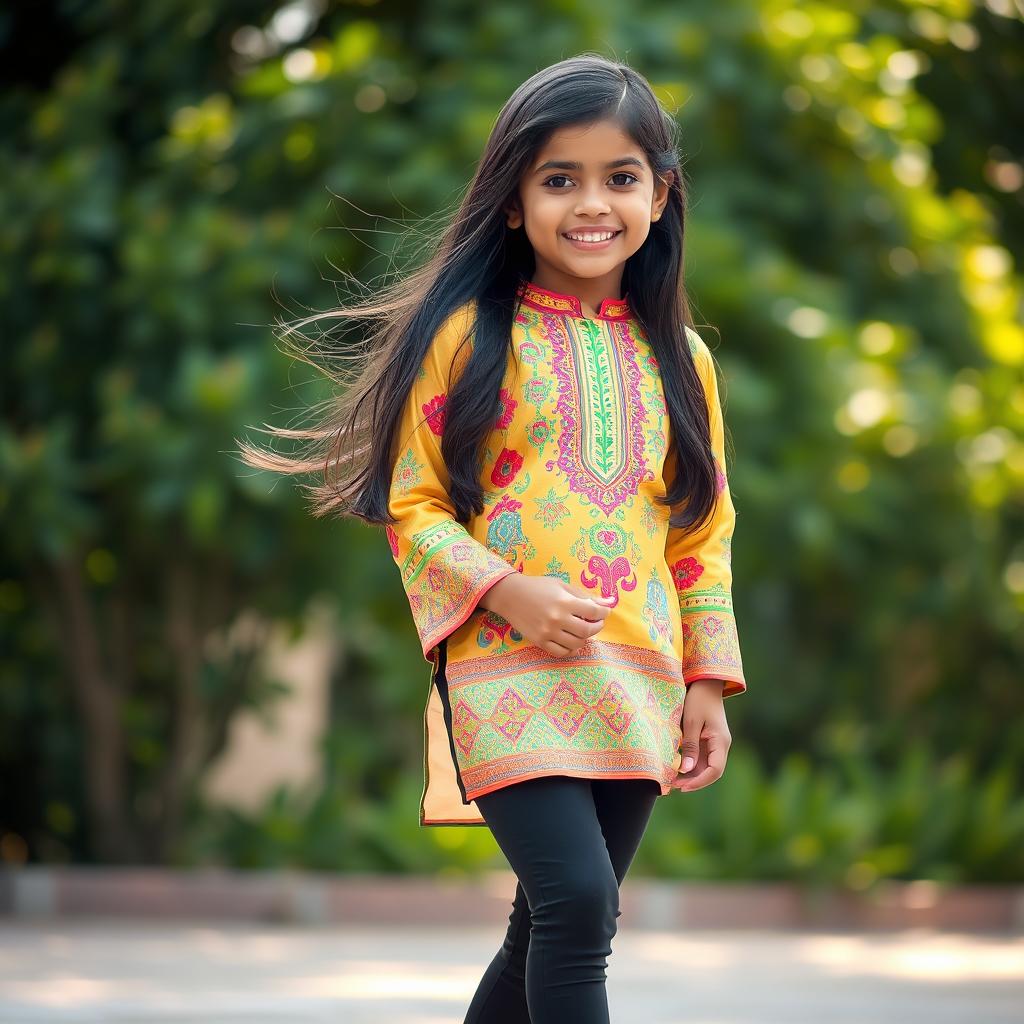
601, 420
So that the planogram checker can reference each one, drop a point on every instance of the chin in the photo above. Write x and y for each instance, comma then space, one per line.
593, 270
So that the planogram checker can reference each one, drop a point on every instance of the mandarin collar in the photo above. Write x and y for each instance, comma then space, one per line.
556, 302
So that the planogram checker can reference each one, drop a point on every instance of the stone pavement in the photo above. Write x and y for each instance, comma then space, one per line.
94, 970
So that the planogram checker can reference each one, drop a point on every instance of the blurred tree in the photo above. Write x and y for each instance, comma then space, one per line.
169, 170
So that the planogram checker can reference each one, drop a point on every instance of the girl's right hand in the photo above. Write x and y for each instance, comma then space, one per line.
556, 617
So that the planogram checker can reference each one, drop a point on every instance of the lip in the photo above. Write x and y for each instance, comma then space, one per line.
592, 246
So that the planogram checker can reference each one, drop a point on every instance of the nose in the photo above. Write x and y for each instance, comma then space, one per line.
591, 202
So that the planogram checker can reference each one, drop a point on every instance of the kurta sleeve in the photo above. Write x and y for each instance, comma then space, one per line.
445, 570
701, 562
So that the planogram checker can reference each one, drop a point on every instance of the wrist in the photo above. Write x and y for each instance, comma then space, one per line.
713, 685
493, 598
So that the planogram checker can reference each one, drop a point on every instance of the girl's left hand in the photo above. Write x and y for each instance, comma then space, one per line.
706, 736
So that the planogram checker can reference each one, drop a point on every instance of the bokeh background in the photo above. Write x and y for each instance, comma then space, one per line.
194, 671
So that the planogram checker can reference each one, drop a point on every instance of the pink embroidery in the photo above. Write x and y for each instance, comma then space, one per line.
686, 572
505, 468
494, 627
538, 432
614, 707
601, 447
436, 413
557, 302
566, 709
508, 408
506, 504
611, 576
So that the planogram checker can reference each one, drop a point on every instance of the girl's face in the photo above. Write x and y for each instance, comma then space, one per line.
587, 201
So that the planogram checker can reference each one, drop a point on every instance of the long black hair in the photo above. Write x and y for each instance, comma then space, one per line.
480, 260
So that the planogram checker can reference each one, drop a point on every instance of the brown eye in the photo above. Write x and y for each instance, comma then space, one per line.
625, 174
556, 177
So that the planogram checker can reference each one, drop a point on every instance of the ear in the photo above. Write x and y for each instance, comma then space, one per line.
661, 193
513, 214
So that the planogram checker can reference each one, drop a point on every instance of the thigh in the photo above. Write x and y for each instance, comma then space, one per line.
623, 808
549, 831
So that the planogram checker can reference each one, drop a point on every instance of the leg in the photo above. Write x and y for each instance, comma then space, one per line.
500, 997
548, 830
569, 865
624, 808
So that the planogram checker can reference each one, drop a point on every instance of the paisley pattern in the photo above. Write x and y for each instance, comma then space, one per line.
573, 475
602, 417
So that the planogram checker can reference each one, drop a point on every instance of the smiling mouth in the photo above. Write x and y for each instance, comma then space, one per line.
590, 236
590, 241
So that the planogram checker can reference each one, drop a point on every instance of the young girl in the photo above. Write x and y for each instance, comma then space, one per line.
535, 407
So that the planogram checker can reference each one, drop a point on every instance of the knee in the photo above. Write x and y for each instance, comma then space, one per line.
586, 901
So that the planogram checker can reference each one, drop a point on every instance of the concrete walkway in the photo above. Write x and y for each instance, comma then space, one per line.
117, 971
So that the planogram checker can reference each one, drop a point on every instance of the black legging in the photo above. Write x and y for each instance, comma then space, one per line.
570, 842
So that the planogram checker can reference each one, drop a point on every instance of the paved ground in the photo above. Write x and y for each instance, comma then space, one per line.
121, 972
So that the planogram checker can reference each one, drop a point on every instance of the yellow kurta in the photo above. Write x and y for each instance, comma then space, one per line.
580, 450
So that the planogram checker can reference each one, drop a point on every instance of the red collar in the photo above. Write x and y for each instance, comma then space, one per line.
555, 302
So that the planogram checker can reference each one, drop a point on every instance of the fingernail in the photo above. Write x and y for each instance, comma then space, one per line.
687, 763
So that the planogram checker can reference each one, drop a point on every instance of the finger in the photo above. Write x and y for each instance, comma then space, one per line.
570, 638
581, 628
693, 751
555, 648
700, 780
590, 606
709, 772
690, 748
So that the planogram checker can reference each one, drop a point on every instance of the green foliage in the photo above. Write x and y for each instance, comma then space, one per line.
175, 172
849, 824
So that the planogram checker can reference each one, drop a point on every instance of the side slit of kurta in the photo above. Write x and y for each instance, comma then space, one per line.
441, 681
443, 800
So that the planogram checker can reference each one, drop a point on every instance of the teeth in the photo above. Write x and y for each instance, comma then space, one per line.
591, 236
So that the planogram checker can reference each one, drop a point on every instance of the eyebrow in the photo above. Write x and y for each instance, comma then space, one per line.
575, 165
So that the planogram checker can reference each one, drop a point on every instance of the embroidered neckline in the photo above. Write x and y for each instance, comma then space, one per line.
556, 302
